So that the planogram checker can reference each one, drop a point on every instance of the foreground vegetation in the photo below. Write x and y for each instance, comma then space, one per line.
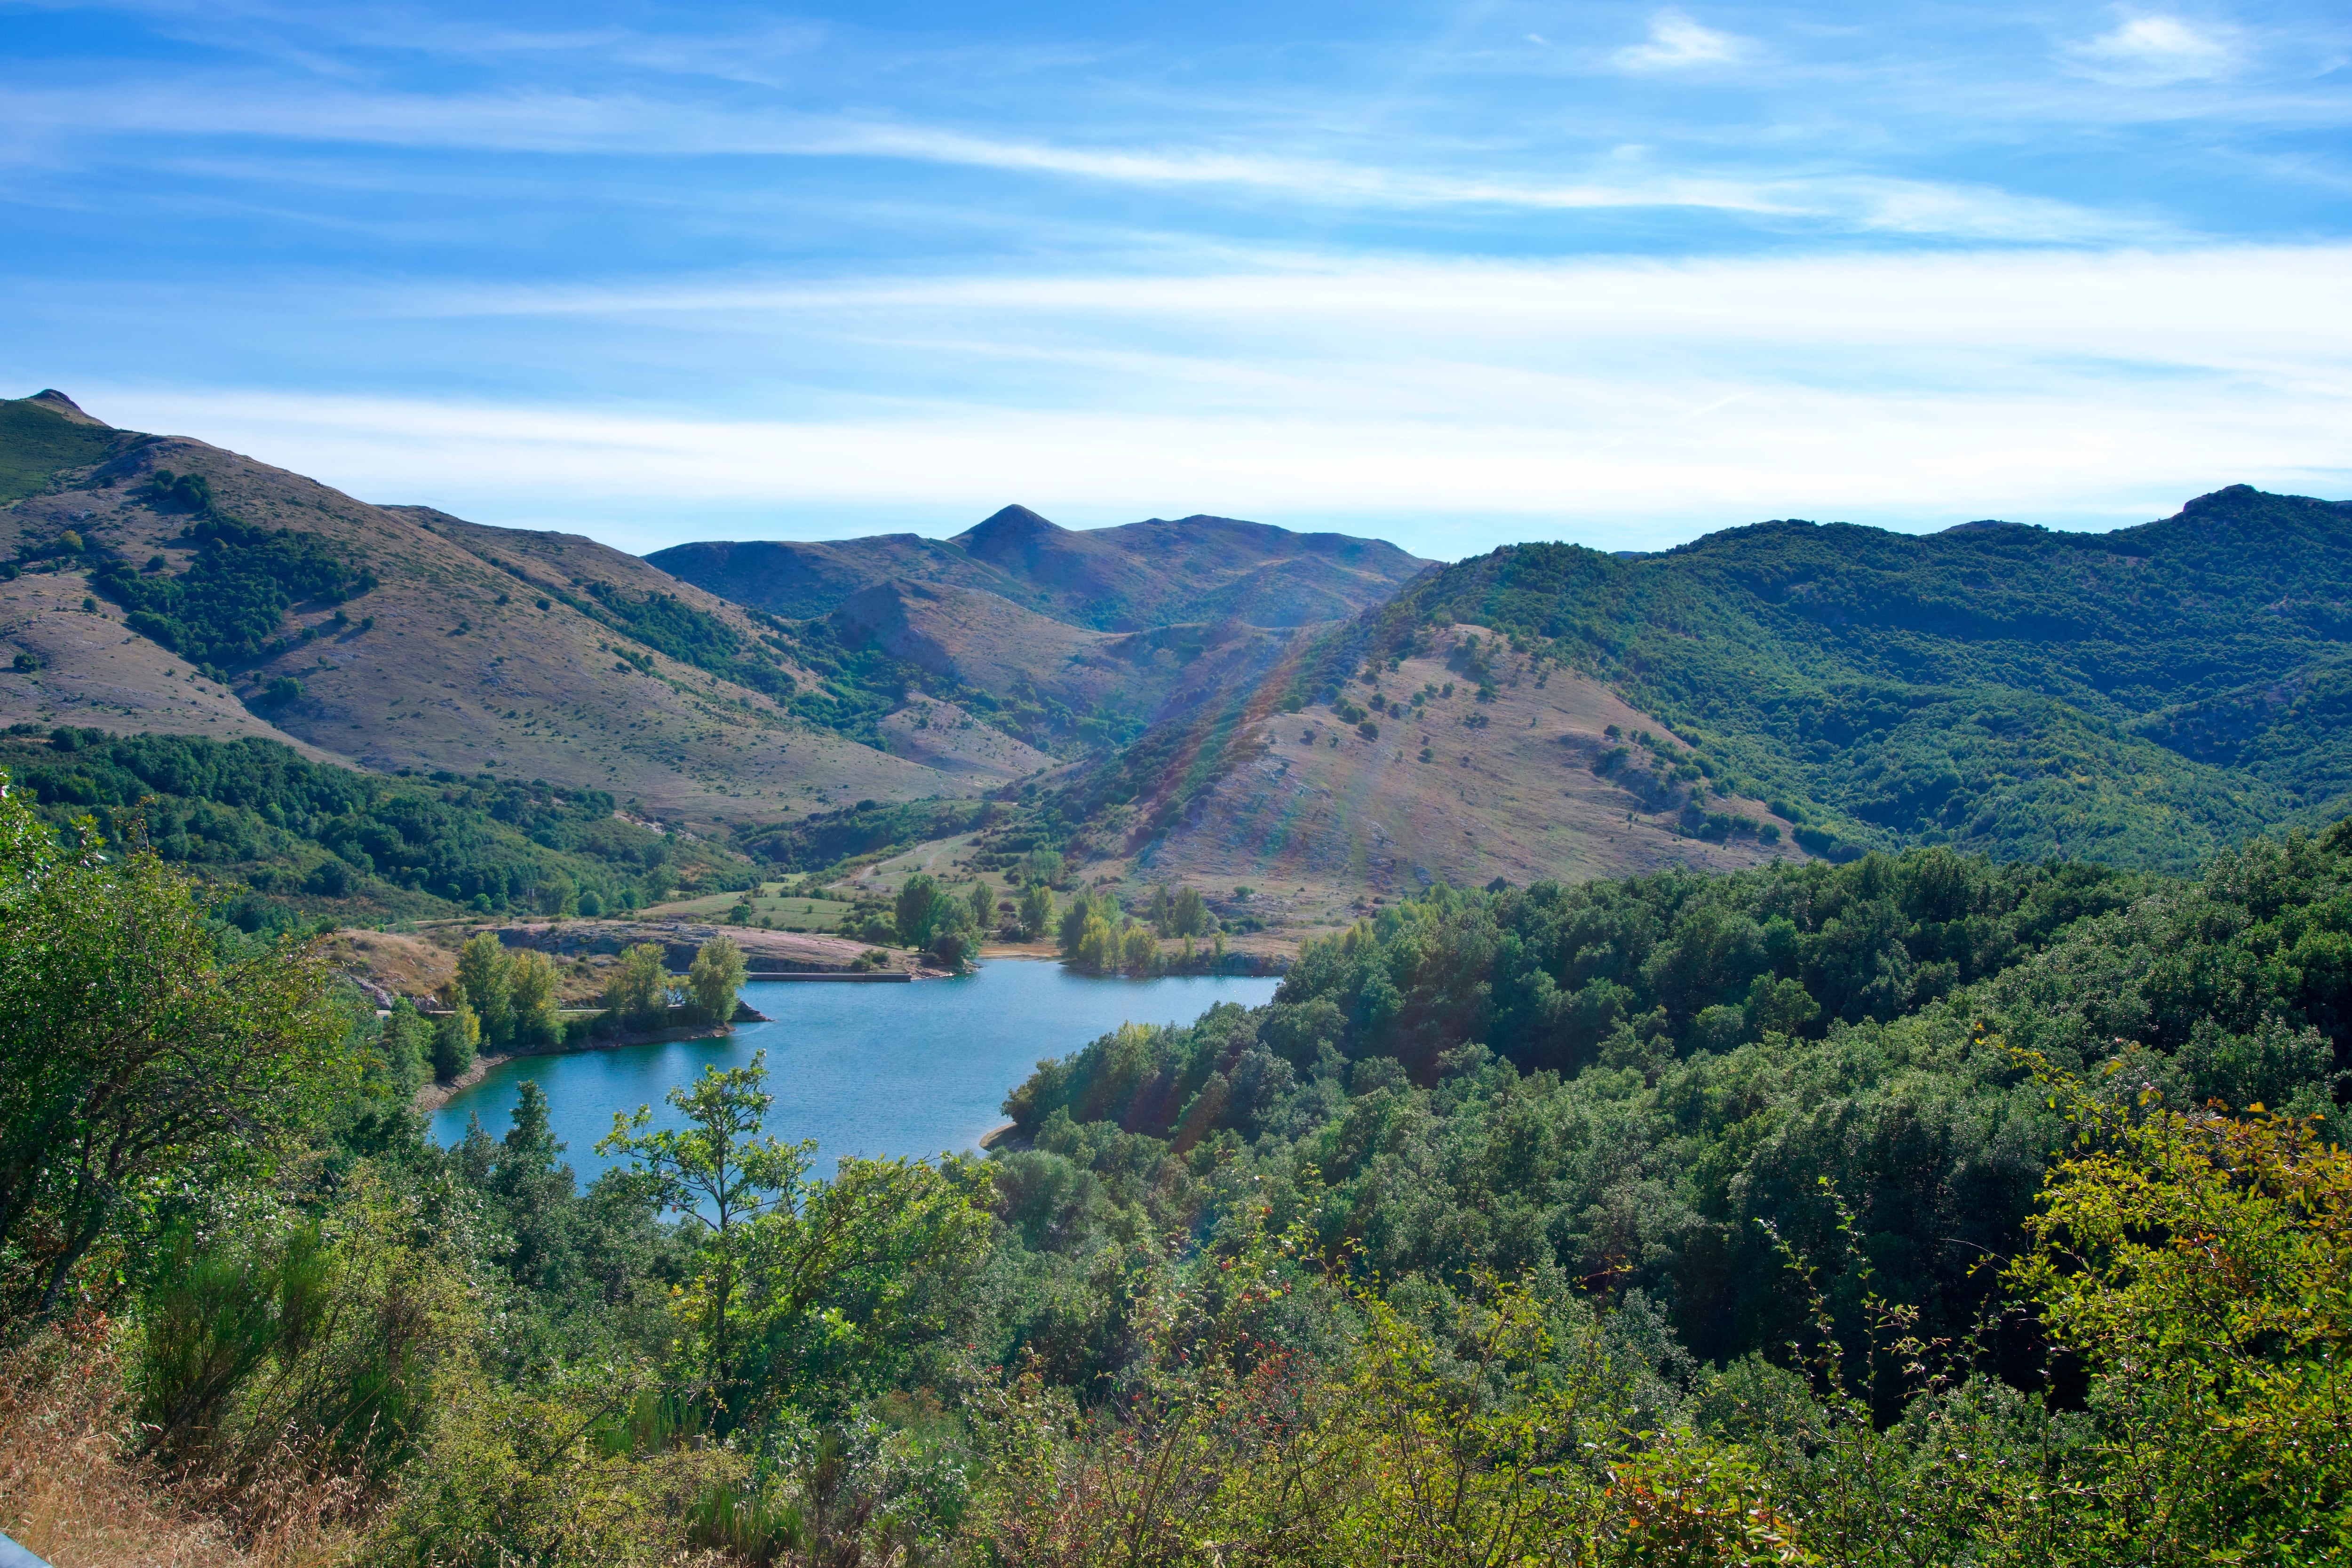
1913, 1211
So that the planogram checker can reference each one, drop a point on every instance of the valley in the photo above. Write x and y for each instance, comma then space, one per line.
1352, 921
1325, 722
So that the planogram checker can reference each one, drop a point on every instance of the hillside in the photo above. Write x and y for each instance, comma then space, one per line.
1129, 578
1457, 762
1050, 677
1450, 789
289, 840
2140, 697
227, 598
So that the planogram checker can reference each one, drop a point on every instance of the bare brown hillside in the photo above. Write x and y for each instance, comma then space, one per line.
91, 672
1318, 816
466, 655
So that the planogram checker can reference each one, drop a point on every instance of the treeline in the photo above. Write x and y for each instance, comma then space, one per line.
306, 836
1883, 1219
823, 841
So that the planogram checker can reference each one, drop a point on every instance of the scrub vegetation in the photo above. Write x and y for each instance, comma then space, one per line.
1918, 1209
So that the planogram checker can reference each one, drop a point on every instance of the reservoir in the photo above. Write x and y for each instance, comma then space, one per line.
872, 1070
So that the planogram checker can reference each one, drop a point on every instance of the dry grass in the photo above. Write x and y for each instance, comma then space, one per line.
73, 1491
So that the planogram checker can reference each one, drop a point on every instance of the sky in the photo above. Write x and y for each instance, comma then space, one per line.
1452, 275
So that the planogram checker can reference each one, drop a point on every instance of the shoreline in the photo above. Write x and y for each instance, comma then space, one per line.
434, 1095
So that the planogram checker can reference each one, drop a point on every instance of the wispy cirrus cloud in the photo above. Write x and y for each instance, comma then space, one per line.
2157, 50
639, 128
1677, 43
1451, 406
662, 271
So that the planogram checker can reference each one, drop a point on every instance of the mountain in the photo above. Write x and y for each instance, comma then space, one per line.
1050, 676
1457, 760
1129, 578
1320, 719
160, 584
2141, 697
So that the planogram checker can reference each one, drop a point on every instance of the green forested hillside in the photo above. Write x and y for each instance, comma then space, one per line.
1643, 1082
309, 838
2140, 697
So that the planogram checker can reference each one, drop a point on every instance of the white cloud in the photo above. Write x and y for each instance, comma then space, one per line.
1676, 42
1452, 407
637, 127
2153, 50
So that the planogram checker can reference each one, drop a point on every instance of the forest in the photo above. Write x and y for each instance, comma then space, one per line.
1920, 1209
293, 840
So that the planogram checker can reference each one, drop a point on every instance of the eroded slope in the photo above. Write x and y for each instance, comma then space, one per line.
475, 648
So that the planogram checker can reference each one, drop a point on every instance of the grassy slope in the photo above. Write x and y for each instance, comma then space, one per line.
1057, 682
2140, 697
1511, 793
2004, 690
806, 580
39, 436
1158, 573
448, 677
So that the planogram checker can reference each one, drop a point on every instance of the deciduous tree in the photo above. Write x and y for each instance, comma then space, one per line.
138, 1044
715, 976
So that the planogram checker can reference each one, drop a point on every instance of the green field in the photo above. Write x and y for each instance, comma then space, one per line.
770, 906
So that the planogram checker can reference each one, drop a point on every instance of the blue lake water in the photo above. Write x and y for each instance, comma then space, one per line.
871, 1070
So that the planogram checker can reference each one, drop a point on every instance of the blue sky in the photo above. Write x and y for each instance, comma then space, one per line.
1452, 275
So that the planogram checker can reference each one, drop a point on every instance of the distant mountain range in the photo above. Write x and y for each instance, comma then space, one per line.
1215, 699
1123, 579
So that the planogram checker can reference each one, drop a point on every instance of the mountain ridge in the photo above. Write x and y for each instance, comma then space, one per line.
1994, 688
1127, 577
1782, 689
472, 649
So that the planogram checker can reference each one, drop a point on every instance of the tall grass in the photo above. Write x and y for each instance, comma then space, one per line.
75, 1490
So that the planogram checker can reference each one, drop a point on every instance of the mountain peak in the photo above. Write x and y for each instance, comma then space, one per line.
58, 402
1014, 522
